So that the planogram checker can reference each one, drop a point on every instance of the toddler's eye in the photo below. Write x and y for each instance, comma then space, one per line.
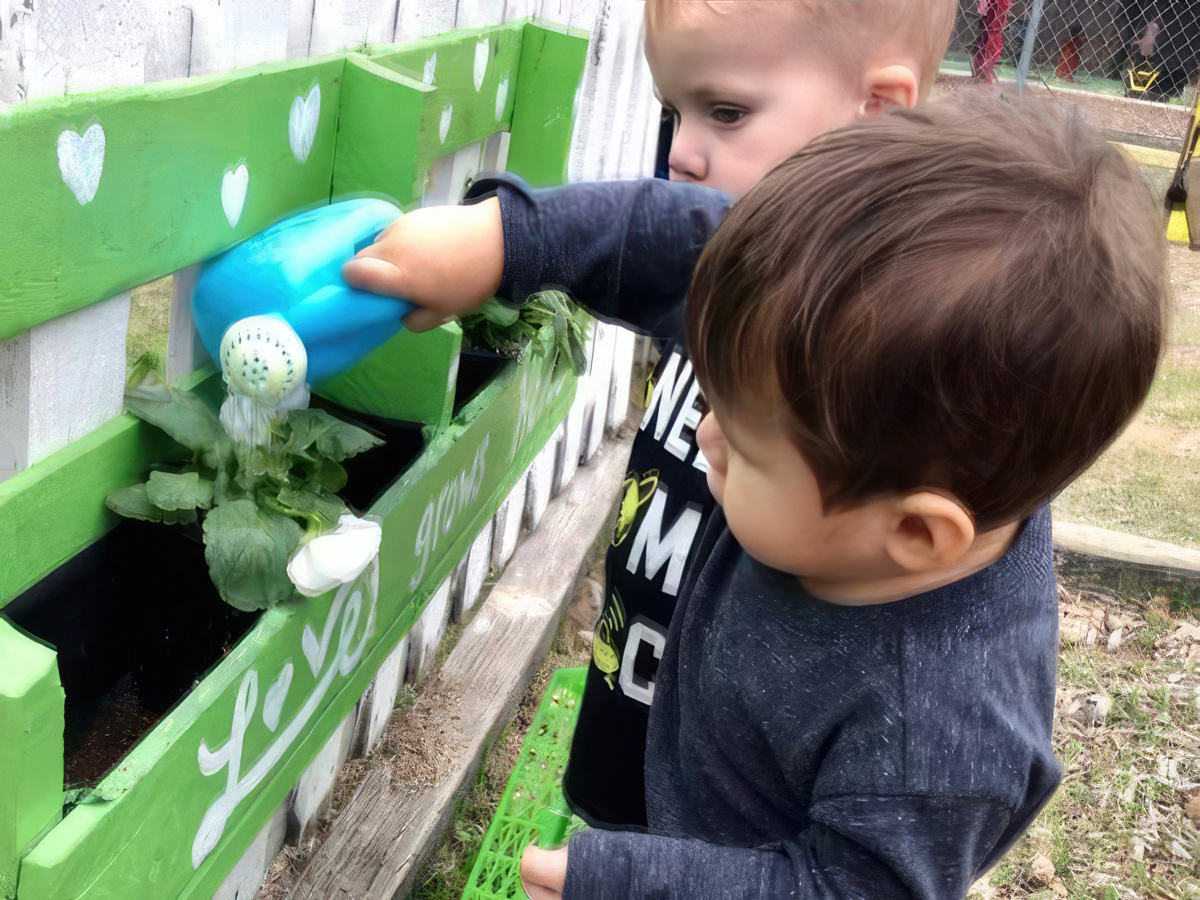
727, 115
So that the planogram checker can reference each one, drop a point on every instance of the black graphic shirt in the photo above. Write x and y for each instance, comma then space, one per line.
626, 251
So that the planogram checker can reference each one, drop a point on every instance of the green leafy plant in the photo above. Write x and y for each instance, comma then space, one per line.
258, 501
548, 322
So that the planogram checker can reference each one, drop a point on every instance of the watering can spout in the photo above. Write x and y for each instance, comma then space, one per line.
293, 271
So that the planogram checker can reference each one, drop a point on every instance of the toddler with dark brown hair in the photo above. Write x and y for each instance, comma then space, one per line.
913, 334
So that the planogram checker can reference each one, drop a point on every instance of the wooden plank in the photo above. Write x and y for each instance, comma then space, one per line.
476, 565
1087, 540
622, 377
427, 633
552, 60
307, 802
509, 518
598, 379
109, 191
31, 728
76, 375
379, 700
393, 819
410, 378
185, 350
246, 877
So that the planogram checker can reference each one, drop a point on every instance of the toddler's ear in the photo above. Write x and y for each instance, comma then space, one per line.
929, 531
890, 87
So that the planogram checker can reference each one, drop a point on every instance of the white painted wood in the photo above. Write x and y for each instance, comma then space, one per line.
599, 376
185, 352
61, 380
427, 633
308, 798
616, 127
622, 377
419, 19
540, 484
449, 174
566, 461
349, 24
246, 877
229, 35
476, 565
378, 701
495, 152
509, 519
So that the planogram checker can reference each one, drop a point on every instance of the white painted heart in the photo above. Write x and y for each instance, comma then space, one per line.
233, 192
444, 127
276, 694
481, 62
81, 160
302, 123
501, 98
430, 69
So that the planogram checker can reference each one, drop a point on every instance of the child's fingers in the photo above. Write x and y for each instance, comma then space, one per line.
378, 276
421, 319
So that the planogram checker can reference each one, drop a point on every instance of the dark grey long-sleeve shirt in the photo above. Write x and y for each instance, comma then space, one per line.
796, 748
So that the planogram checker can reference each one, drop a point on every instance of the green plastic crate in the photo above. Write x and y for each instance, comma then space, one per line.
532, 805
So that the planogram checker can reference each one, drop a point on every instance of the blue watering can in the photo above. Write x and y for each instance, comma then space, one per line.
294, 270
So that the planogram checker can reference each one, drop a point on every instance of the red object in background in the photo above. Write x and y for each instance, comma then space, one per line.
989, 43
1069, 60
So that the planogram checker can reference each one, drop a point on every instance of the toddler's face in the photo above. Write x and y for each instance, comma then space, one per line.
772, 501
744, 95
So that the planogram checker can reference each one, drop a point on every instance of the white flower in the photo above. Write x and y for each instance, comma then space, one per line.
336, 558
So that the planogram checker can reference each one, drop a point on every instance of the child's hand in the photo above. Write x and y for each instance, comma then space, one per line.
543, 873
447, 259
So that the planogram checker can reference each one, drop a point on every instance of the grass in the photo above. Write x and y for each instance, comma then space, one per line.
1147, 482
1119, 825
149, 319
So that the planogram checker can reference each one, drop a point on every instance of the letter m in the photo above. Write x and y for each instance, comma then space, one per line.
658, 549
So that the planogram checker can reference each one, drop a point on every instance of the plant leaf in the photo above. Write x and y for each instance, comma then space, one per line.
133, 503
181, 414
497, 312
306, 502
333, 438
186, 490
247, 550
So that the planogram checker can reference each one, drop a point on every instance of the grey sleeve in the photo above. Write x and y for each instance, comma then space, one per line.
886, 848
623, 249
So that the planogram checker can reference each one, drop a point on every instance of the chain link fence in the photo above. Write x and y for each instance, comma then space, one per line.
1133, 62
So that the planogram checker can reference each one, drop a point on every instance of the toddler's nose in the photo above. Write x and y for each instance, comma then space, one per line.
687, 161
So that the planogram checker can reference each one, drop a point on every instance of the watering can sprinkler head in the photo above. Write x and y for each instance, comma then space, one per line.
264, 360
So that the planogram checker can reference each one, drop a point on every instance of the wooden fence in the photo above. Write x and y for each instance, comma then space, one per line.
213, 120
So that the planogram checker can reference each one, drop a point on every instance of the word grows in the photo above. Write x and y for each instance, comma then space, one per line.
460, 492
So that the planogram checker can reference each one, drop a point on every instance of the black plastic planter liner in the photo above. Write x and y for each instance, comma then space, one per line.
475, 369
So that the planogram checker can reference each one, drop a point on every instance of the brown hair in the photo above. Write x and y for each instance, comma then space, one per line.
967, 296
850, 28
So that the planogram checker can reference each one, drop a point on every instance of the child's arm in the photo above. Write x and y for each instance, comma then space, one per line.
623, 249
885, 848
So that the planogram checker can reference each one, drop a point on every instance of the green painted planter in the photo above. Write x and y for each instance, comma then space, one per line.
179, 810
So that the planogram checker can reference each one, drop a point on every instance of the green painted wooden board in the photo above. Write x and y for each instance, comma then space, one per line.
552, 61
31, 744
377, 138
108, 191
159, 826
410, 378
